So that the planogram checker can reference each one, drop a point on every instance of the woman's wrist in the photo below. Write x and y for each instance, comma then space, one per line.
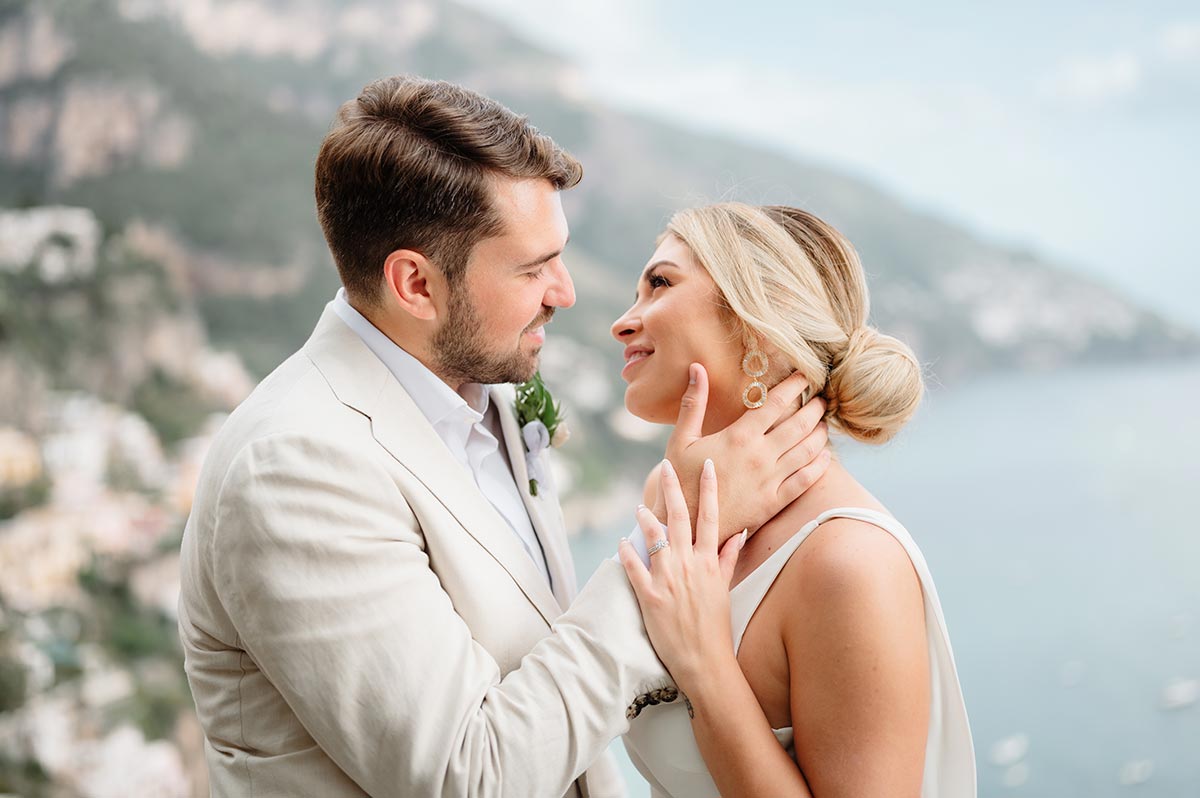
708, 676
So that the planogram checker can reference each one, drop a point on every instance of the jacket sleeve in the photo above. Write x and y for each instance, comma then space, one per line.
320, 564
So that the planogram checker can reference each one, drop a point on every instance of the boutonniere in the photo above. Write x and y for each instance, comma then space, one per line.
542, 426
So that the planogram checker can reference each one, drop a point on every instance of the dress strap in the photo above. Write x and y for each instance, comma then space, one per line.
749, 593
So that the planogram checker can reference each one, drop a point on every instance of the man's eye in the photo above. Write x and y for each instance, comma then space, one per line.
536, 273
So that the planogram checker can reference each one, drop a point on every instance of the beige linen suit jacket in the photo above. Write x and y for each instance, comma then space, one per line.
357, 619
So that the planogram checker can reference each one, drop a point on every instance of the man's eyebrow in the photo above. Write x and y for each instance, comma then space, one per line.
544, 258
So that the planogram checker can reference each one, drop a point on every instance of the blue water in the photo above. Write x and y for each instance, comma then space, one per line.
1060, 515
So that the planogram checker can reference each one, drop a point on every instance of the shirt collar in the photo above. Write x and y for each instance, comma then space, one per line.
433, 397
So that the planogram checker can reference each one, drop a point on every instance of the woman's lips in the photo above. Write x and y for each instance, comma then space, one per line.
633, 361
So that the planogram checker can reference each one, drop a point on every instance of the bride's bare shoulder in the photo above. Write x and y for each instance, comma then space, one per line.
851, 573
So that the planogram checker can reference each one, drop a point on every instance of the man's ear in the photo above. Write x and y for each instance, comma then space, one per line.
413, 282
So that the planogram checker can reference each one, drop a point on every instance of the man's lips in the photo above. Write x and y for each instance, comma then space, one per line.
538, 328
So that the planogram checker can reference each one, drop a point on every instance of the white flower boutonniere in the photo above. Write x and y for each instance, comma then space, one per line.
542, 426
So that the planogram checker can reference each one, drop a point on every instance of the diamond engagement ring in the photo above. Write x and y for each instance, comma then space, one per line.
657, 547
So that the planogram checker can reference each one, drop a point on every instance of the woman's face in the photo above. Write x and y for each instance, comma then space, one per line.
679, 319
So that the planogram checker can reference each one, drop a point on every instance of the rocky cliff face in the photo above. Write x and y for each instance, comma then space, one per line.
88, 126
102, 316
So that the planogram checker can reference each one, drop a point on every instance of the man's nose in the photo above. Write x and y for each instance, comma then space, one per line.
562, 293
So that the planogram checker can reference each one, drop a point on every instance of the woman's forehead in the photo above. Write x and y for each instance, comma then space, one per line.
673, 252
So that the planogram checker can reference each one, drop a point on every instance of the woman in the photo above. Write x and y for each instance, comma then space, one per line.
840, 680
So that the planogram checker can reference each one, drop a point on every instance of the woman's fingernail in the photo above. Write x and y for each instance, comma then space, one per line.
709, 470
692, 374
667, 468
742, 541
640, 507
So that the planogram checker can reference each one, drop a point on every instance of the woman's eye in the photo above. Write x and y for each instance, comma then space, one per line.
656, 281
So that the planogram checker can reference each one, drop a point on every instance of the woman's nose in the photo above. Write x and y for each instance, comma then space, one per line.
625, 326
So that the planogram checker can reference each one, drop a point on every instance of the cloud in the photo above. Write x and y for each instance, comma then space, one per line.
630, 52
1181, 41
583, 32
1094, 81
831, 118
1161, 78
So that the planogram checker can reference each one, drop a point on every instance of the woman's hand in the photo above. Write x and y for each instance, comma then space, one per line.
684, 596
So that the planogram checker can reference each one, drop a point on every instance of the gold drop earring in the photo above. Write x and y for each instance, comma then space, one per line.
755, 364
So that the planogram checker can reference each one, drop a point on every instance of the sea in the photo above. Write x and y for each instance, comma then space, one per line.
1060, 516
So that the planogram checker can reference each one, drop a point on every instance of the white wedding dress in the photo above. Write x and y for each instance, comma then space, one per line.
660, 740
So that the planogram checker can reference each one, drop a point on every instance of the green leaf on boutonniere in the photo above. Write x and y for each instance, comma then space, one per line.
534, 403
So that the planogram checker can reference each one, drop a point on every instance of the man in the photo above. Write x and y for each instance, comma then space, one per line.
373, 603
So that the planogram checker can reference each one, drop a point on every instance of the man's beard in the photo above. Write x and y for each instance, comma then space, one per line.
460, 350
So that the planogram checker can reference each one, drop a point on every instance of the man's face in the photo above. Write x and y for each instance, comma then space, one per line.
493, 328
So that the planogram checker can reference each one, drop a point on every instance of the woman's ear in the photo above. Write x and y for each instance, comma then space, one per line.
753, 341
414, 283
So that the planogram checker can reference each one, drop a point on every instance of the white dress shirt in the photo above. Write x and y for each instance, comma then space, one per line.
465, 421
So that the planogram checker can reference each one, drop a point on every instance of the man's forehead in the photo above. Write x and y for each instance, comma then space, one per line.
521, 195
531, 214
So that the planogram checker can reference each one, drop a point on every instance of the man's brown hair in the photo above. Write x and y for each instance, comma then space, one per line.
408, 164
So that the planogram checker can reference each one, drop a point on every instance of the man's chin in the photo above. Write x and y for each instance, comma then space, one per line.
527, 374
515, 371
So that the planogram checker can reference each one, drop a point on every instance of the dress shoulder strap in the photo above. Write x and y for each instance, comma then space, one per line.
749, 593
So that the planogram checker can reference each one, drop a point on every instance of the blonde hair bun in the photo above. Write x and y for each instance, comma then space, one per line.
875, 386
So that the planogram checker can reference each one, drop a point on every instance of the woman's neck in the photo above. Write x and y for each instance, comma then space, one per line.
836, 488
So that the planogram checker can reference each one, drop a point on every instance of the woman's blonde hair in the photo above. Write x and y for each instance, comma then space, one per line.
795, 281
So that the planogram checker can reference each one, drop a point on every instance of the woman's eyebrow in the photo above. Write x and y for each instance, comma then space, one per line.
645, 278
655, 265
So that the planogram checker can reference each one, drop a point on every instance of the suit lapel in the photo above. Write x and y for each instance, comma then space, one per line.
545, 518
360, 380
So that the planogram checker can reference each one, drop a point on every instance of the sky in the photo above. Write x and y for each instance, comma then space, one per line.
1068, 128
